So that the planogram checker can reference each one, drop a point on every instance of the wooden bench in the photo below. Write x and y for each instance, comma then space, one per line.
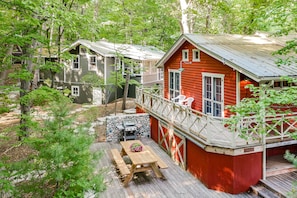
120, 163
160, 162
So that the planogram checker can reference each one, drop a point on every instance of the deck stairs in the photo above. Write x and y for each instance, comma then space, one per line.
262, 190
276, 186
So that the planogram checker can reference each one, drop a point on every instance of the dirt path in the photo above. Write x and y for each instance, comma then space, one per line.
11, 148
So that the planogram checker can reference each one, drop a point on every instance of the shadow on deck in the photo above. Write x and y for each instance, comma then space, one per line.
178, 182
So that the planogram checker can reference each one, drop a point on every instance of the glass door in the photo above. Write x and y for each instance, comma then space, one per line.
213, 95
174, 83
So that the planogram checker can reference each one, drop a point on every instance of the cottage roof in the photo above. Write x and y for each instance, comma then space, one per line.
250, 55
108, 49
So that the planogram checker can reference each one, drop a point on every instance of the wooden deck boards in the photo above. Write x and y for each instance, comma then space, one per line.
178, 182
282, 183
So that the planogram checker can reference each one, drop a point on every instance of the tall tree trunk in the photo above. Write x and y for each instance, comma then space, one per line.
208, 18
25, 89
184, 16
126, 89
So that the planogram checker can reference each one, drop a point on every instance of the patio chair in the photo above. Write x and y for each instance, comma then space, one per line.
188, 102
179, 99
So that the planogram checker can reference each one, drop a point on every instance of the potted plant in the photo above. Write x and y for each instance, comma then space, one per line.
136, 147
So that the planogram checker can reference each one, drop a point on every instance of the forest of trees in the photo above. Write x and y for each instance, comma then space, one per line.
39, 28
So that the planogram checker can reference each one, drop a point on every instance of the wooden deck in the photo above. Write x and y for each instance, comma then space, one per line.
213, 131
277, 186
178, 183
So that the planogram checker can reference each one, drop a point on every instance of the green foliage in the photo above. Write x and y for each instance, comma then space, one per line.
43, 96
5, 102
263, 103
6, 184
54, 67
64, 166
93, 79
139, 22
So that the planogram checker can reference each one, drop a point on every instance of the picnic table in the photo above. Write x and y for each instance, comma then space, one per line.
142, 161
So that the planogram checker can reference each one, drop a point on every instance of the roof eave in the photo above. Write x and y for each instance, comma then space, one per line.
171, 51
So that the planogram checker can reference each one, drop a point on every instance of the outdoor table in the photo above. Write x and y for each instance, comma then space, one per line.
141, 161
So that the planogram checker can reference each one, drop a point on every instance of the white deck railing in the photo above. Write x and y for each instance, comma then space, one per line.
213, 130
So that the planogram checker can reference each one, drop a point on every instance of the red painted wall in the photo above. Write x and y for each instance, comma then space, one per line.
281, 150
232, 174
245, 92
154, 128
139, 110
191, 77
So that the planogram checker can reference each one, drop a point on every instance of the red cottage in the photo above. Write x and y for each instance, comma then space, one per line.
212, 70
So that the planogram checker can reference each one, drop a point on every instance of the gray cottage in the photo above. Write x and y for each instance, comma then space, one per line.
102, 58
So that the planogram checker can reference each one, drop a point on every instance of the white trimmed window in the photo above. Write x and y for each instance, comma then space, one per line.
93, 62
174, 83
196, 55
213, 94
75, 63
160, 74
75, 90
185, 55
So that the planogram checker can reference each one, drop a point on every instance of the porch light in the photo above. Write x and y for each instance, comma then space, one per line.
181, 69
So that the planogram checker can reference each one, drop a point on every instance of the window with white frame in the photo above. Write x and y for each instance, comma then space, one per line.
134, 67
92, 62
213, 94
75, 62
75, 90
185, 55
196, 55
174, 83
160, 74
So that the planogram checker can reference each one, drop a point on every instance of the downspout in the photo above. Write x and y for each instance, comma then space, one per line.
237, 87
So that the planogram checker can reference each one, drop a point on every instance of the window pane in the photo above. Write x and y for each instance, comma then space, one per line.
207, 107
207, 87
217, 110
217, 89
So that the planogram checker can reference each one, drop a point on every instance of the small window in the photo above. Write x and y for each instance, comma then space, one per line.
75, 90
185, 54
92, 62
160, 74
75, 63
196, 55
83, 50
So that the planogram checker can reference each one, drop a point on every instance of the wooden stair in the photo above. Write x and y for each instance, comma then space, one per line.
264, 191
277, 186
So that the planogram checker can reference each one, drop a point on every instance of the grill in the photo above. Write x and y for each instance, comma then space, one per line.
130, 130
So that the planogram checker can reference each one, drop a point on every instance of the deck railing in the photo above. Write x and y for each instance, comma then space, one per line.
212, 130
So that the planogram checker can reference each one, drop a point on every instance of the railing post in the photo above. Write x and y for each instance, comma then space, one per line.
208, 117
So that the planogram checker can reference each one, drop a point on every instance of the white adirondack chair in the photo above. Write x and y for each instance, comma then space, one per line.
179, 99
188, 102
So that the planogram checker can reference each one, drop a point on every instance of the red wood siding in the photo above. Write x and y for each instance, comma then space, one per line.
191, 77
281, 150
245, 92
154, 128
232, 174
